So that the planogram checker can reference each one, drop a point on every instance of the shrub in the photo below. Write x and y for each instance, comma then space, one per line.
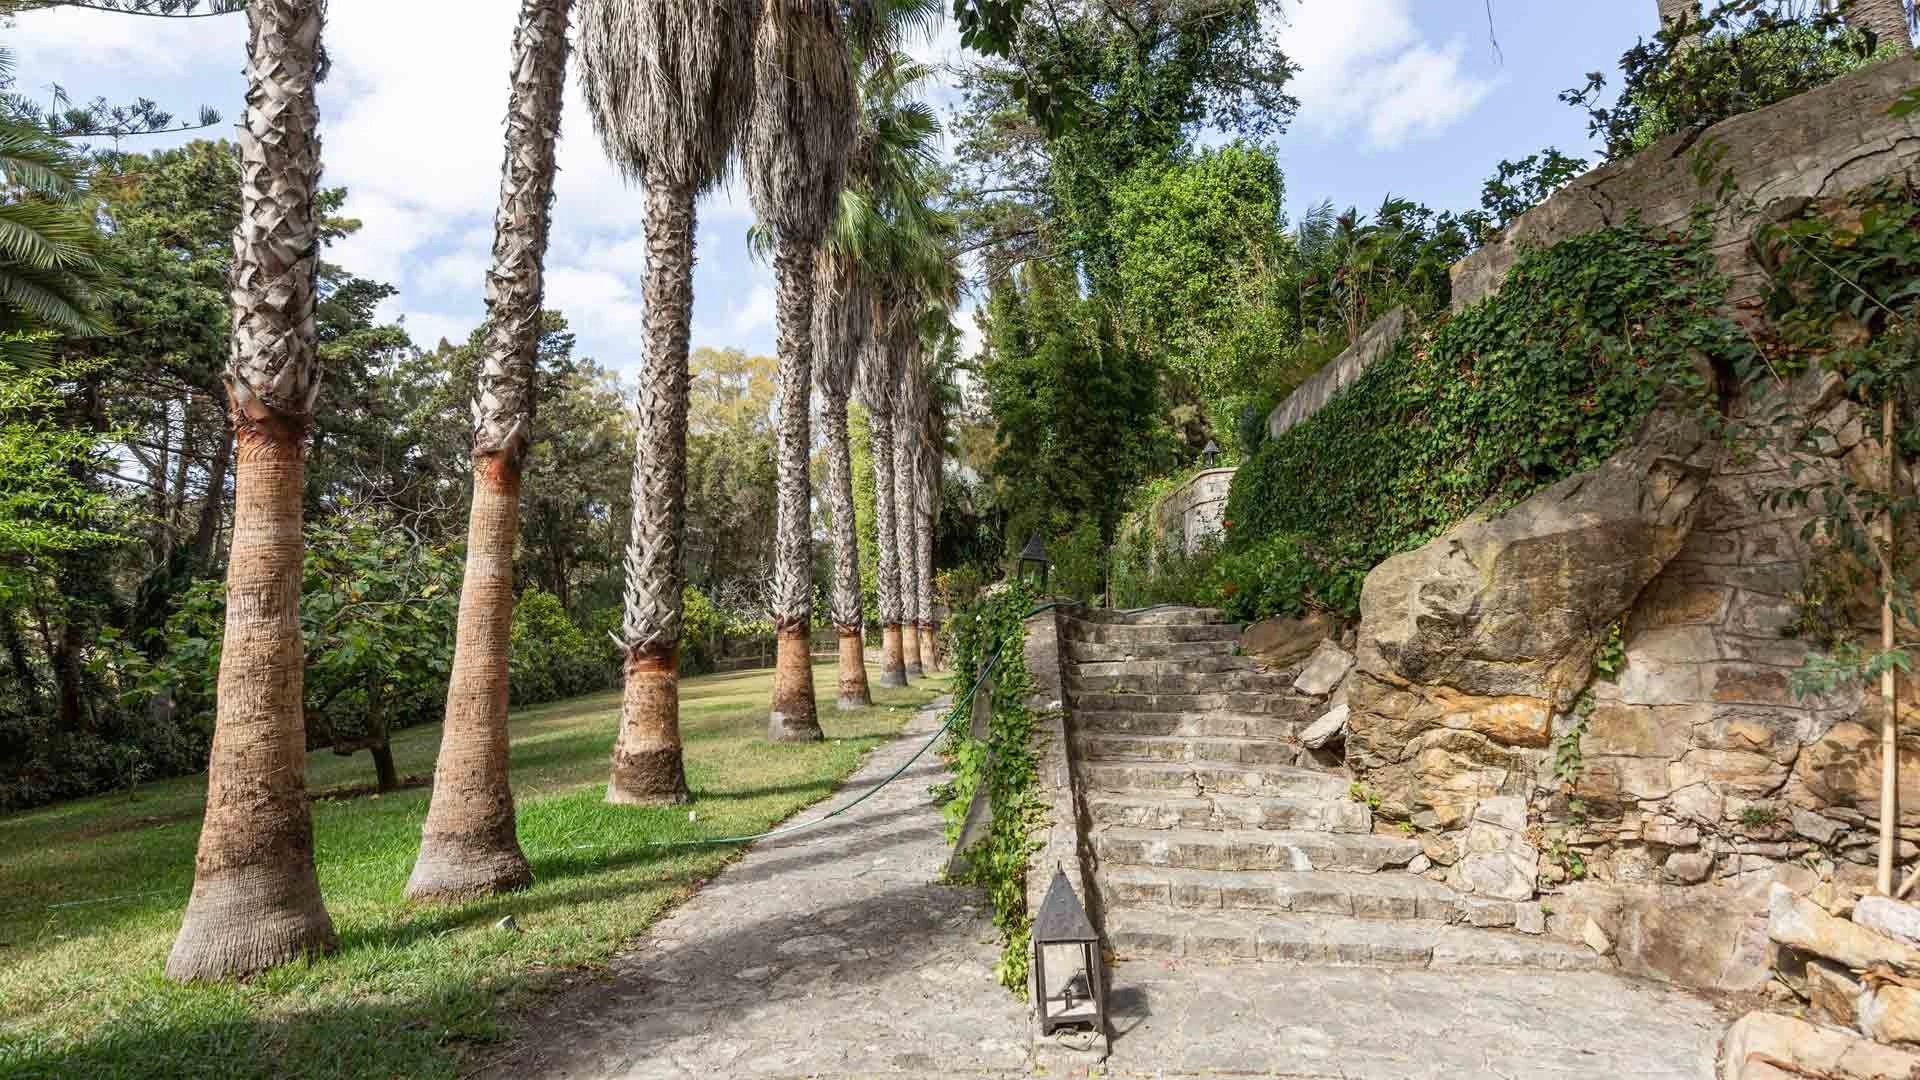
552, 657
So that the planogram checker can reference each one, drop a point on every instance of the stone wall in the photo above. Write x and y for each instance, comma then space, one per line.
1193, 513
1310, 396
1663, 798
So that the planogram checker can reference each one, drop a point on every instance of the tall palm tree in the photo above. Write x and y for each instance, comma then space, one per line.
256, 897
669, 84
842, 322
942, 397
799, 139
469, 845
879, 374
909, 422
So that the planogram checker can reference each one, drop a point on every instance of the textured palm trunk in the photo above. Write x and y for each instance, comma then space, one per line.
923, 542
469, 845
893, 670
1886, 20
847, 608
256, 896
793, 717
907, 557
648, 762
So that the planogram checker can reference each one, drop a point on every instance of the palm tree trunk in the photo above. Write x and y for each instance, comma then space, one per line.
923, 543
649, 767
256, 896
793, 717
893, 670
848, 611
469, 845
1886, 20
1675, 12
906, 436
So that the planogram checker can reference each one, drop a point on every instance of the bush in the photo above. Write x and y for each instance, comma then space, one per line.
552, 657
1545, 379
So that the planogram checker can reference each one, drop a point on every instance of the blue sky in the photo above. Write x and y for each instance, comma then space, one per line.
1401, 96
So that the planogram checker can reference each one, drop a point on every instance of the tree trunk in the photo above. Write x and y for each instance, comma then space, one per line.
1886, 20
648, 764
1675, 12
469, 844
16, 651
256, 896
793, 717
380, 741
893, 670
905, 447
848, 611
214, 508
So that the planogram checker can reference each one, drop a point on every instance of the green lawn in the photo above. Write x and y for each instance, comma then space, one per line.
412, 991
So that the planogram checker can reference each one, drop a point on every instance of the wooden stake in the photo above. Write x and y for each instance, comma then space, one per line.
1890, 723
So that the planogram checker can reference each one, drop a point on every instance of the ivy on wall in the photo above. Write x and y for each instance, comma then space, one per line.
1544, 379
1005, 762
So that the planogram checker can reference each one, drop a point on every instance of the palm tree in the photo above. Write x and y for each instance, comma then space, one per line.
842, 322
51, 259
909, 405
256, 897
468, 845
942, 398
669, 84
1674, 13
879, 374
1886, 20
796, 159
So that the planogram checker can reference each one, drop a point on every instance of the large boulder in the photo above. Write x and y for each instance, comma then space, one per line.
1489, 632
1284, 641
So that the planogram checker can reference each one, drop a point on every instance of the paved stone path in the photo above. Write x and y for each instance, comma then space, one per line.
829, 953
832, 953
1360, 1023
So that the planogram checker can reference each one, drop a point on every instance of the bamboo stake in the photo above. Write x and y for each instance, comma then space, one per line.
1890, 723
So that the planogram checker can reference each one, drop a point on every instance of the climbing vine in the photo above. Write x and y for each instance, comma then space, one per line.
1544, 379
1005, 762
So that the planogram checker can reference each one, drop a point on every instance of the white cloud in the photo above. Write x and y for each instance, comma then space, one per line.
100, 41
1365, 66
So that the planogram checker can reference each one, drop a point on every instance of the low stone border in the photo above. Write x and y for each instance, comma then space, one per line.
1060, 839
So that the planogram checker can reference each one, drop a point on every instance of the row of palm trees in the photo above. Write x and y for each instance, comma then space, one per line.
807, 99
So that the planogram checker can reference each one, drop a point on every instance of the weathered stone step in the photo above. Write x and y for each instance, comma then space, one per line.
1319, 892
1202, 778
1124, 634
1159, 616
1085, 651
1217, 724
1224, 751
1338, 939
1190, 665
1290, 812
1243, 680
1268, 849
1289, 706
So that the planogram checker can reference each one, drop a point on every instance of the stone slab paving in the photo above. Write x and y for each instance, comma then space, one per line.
830, 953
1357, 1023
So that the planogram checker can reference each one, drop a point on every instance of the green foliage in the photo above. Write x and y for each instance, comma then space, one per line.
1519, 186
1079, 566
552, 657
1611, 657
1280, 574
1759, 815
1005, 762
1544, 379
1740, 56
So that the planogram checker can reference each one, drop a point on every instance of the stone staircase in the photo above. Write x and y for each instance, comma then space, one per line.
1216, 836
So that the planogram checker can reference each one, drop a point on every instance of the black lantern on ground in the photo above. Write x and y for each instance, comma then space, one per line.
1068, 983
1033, 560
1211, 455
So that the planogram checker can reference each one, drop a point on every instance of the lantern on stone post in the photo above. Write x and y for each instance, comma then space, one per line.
1069, 986
1210, 457
1034, 561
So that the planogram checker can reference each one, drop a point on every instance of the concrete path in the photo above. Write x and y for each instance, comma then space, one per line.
830, 953
1361, 1023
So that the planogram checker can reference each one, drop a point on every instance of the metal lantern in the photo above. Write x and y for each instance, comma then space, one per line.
1068, 984
1033, 558
1211, 455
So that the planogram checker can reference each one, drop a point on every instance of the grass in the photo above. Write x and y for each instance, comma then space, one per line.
415, 992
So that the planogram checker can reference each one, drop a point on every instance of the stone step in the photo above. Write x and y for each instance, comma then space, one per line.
1243, 680
1212, 724
1289, 706
1338, 939
1251, 849
1123, 634
1157, 616
1090, 651
1289, 812
1221, 751
1318, 892
1191, 665
1201, 778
